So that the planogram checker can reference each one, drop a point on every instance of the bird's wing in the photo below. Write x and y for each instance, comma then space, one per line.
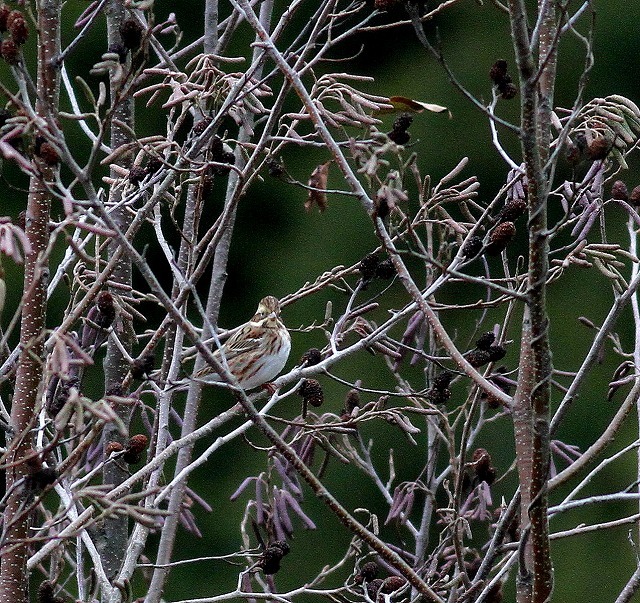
241, 342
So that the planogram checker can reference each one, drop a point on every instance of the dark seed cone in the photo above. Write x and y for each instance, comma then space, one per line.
201, 126
386, 270
13, 16
484, 470
272, 556
399, 133
492, 402
216, 148
508, 90
220, 155
478, 358
153, 165
634, 197
311, 357
485, 340
497, 352
311, 392
10, 51
18, 30
113, 446
368, 267
373, 587
137, 174
107, 308
500, 237
403, 122
142, 367
439, 396
498, 71
368, 572
4, 14
472, 247
43, 477
443, 380
619, 191
131, 33
275, 167
58, 393
512, 210
382, 207
392, 583
45, 593
440, 392
400, 137
102, 316
134, 448
48, 154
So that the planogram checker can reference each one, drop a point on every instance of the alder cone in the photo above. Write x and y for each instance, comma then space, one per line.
311, 391
619, 191
498, 71
18, 29
500, 237
472, 247
10, 51
512, 210
4, 14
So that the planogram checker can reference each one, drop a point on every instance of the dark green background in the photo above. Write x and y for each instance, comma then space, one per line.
278, 246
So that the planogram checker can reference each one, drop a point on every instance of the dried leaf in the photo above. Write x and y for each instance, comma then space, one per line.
402, 103
318, 182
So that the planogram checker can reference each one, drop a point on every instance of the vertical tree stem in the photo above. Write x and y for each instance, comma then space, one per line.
113, 545
28, 389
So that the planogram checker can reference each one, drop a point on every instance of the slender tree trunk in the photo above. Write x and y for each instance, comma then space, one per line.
532, 425
116, 367
28, 389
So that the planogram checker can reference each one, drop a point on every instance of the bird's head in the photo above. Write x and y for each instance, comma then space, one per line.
268, 308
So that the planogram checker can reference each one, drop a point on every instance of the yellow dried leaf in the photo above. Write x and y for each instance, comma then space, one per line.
402, 103
318, 182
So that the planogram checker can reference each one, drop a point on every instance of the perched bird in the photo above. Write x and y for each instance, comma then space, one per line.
257, 351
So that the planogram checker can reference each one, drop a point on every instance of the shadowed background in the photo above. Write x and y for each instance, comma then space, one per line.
278, 246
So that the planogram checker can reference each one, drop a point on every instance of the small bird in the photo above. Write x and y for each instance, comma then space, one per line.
257, 351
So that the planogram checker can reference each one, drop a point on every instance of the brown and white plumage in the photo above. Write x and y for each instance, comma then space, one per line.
257, 351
